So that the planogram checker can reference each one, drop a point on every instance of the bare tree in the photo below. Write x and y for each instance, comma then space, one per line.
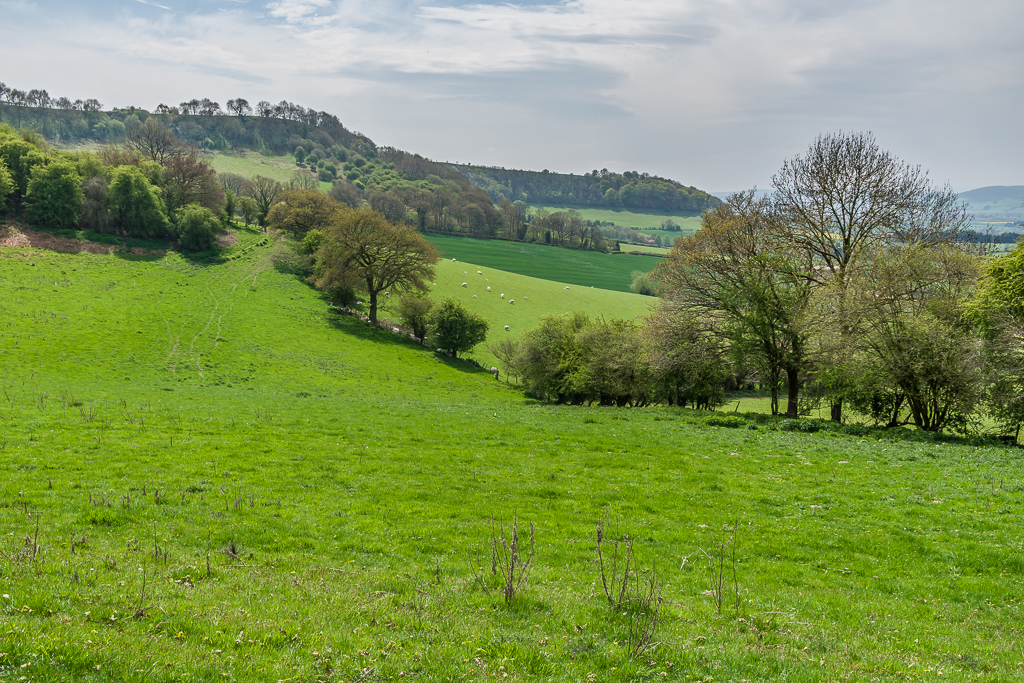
846, 196
263, 191
153, 140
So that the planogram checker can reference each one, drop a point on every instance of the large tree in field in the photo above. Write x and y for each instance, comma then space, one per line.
299, 211
847, 197
364, 251
263, 191
54, 195
747, 286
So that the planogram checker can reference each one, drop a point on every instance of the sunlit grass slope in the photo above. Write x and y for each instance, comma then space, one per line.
206, 477
640, 220
534, 298
573, 266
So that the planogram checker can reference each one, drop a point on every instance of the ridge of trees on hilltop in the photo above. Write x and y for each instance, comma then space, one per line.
631, 190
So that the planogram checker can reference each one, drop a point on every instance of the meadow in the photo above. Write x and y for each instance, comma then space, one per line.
571, 266
210, 476
251, 164
534, 299
646, 221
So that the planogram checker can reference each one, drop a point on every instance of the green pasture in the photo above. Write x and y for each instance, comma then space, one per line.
251, 164
644, 249
208, 476
571, 266
534, 299
689, 221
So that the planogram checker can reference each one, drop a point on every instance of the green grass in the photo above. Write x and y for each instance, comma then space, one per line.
643, 249
571, 266
159, 412
251, 164
534, 298
689, 221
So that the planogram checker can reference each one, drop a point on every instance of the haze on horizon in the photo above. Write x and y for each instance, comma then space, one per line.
713, 93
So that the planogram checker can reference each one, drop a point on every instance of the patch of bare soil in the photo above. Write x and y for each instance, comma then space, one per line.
226, 239
15, 236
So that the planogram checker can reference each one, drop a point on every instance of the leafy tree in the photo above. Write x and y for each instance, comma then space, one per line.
689, 364
20, 156
363, 250
748, 286
6, 185
95, 214
136, 204
54, 195
300, 154
312, 241
230, 208
250, 210
456, 329
299, 211
414, 309
643, 283
191, 180
195, 227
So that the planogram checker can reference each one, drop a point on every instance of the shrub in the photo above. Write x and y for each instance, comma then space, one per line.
55, 195
195, 227
729, 421
456, 329
136, 204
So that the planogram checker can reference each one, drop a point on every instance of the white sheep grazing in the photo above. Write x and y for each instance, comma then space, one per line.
503, 295
453, 260
488, 289
465, 272
395, 330
567, 288
494, 370
463, 284
526, 297
511, 301
474, 296
506, 328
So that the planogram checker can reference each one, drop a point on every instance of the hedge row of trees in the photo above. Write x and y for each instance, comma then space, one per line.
154, 187
852, 287
598, 188
356, 251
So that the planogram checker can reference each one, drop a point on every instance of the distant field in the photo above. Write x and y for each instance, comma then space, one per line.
640, 249
586, 268
250, 164
688, 221
534, 298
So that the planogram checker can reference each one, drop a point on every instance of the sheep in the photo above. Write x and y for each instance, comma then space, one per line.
494, 371
511, 301
479, 272
474, 296
453, 260
526, 297
395, 330
488, 289
506, 328
463, 284
567, 288
503, 295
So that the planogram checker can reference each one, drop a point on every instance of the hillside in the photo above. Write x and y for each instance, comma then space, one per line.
630, 190
208, 476
996, 204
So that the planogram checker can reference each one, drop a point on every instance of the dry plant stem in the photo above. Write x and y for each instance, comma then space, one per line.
506, 558
615, 584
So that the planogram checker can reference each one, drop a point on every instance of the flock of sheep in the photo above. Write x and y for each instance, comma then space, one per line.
502, 295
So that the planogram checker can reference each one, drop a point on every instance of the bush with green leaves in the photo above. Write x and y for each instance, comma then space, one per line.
136, 204
195, 227
6, 184
54, 196
312, 241
456, 329
414, 309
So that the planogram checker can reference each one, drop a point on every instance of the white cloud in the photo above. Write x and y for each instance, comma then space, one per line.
710, 91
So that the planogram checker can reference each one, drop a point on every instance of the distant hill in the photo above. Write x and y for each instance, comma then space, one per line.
996, 204
630, 190
994, 193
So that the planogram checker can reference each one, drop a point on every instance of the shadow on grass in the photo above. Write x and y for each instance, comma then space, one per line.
369, 332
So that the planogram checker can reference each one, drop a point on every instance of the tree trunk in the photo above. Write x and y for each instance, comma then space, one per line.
837, 410
373, 307
793, 387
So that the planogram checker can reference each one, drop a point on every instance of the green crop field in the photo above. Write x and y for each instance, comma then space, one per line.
208, 476
534, 298
688, 221
571, 266
642, 249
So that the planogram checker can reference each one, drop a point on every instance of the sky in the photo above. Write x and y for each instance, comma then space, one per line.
712, 93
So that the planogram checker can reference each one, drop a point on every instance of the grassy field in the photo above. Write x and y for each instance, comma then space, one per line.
571, 266
207, 476
641, 249
250, 164
534, 298
646, 221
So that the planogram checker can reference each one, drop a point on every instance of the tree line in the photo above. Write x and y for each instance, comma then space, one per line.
853, 287
604, 188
